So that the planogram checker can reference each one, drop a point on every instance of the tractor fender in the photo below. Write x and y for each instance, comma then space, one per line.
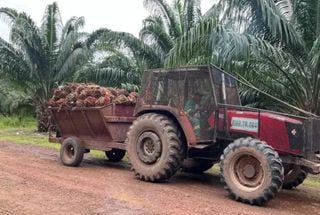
179, 118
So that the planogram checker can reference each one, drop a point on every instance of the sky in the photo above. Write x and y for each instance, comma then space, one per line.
117, 15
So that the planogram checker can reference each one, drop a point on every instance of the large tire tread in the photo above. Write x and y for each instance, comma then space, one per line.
175, 148
274, 162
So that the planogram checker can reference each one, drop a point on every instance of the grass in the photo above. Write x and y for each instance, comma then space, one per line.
26, 136
312, 181
22, 130
17, 122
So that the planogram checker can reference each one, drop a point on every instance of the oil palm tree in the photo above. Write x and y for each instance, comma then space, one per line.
166, 24
38, 58
126, 56
274, 44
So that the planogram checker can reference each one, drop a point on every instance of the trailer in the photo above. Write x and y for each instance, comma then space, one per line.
81, 129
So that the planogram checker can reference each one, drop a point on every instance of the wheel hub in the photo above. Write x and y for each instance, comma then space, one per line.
248, 171
149, 147
70, 151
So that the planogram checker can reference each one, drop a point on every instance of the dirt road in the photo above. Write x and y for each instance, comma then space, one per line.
32, 181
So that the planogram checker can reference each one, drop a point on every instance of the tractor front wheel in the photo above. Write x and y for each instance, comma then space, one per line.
154, 147
251, 170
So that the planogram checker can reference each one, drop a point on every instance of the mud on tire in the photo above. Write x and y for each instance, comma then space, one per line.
71, 152
154, 147
251, 171
294, 176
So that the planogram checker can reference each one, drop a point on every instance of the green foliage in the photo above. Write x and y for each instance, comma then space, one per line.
38, 59
120, 58
111, 65
263, 41
26, 136
14, 100
17, 122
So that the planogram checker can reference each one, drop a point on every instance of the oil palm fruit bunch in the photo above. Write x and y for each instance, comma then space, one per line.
90, 95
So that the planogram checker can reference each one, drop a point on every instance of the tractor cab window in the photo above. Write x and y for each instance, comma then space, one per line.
187, 90
168, 89
232, 96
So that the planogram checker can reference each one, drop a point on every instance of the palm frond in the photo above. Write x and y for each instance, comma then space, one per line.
95, 36
153, 33
76, 58
192, 13
8, 15
163, 10
285, 8
130, 87
189, 45
178, 12
267, 20
12, 61
306, 17
51, 26
138, 48
12, 97
26, 36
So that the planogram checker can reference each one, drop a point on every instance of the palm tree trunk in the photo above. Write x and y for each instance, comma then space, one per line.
43, 117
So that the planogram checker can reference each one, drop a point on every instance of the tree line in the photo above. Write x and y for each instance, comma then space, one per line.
273, 44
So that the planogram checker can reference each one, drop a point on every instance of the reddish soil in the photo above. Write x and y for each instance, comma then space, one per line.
33, 181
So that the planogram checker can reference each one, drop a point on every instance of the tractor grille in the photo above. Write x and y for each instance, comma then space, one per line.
295, 134
312, 138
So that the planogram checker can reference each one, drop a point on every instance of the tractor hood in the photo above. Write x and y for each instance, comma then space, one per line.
283, 133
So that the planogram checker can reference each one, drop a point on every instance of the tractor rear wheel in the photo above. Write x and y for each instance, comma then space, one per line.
154, 147
196, 166
294, 176
115, 155
71, 152
251, 171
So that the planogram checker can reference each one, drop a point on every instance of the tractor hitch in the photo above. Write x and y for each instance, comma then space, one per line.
309, 166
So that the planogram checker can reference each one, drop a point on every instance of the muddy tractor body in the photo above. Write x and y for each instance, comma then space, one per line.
192, 118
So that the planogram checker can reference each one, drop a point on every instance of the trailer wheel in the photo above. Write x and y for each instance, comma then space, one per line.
154, 147
71, 152
115, 155
251, 171
294, 176
196, 166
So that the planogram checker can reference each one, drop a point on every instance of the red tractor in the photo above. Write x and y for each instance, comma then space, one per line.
192, 118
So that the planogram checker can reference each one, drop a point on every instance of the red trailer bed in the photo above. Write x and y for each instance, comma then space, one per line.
101, 128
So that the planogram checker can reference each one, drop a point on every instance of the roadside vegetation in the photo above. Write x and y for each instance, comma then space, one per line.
23, 130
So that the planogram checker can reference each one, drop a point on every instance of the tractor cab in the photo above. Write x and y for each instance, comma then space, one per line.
191, 94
